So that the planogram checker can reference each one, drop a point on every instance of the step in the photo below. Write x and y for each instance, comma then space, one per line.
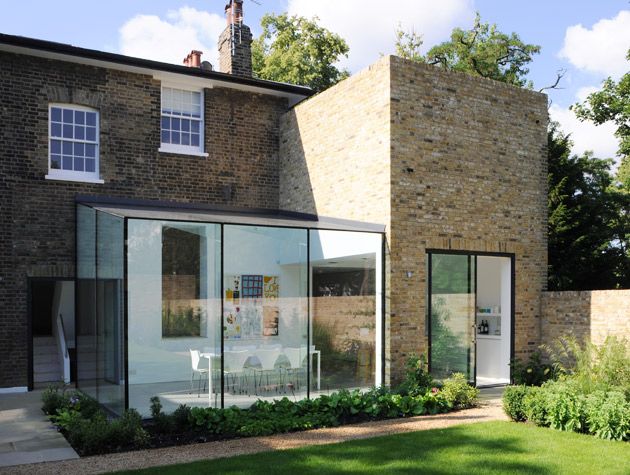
47, 377
46, 368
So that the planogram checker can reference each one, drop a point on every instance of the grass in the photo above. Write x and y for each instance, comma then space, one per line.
484, 448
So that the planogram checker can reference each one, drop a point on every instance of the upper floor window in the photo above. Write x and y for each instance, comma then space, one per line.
182, 121
73, 135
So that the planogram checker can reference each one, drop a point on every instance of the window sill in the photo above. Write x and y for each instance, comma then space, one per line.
179, 151
74, 178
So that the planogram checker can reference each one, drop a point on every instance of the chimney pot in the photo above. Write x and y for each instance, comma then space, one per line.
234, 12
193, 60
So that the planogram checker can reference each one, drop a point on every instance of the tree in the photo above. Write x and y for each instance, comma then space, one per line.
587, 247
481, 51
611, 104
298, 51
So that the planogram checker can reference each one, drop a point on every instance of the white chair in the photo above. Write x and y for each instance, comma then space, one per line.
268, 359
195, 369
233, 362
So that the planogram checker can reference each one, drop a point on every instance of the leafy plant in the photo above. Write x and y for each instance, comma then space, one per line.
565, 407
458, 393
514, 402
533, 372
608, 415
535, 405
417, 380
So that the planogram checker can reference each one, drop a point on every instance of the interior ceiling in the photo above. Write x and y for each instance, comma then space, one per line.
356, 262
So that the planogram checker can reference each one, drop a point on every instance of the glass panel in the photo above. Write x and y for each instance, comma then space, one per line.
86, 300
264, 314
174, 307
55, 114
452, 308
346, 310
109, 311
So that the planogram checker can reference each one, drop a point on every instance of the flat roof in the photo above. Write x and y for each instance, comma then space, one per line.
66, 52
168, 211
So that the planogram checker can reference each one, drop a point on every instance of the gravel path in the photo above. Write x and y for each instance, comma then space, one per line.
487, 411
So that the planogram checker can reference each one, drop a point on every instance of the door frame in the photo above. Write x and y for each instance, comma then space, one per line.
474, 254
29, 319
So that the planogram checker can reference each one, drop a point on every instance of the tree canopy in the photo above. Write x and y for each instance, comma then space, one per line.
297, 50
481, 51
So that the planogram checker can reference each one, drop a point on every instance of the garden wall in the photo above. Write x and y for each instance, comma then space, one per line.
594, 314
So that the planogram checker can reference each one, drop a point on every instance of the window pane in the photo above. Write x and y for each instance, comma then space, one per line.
79, 149
55, 162
90, 150
55, 146
90, 134
90, 118
175, 124
166, 136
67, 148
55, 114
264, 313
194, 140
346, 309
67, 131
79, 117
67, 163
68, 116
90, 165
79, 132
185, 139
79, 164
175, 138
194, 126
166, 123
55, 130
185, 125
174, 306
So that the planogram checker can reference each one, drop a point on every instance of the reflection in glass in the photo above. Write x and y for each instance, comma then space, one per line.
346, 309
174, 309
452, 313
264, 313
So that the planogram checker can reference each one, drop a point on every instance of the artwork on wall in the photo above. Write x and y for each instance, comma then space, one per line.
250, 309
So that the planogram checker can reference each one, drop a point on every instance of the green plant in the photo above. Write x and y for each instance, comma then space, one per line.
54, 399
458, 393
535, 406
608, 415
417, 378
565, 407
514, 402
533, 372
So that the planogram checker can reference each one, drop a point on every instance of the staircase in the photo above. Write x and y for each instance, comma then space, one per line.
46, 367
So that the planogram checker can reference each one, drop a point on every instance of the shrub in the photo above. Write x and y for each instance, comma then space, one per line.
565, 407
514, 402
533, 372
608, 415
54, 399
535, 406
458, 393
417, 378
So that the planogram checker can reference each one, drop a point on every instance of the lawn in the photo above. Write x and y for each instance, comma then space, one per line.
490, 447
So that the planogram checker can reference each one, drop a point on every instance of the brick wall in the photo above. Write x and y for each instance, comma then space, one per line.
592, 314
37, 216
446, 161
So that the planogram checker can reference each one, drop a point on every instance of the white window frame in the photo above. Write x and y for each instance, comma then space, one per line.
73, 175
184, 149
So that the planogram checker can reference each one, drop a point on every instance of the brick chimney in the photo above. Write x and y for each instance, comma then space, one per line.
193, 60
235, 43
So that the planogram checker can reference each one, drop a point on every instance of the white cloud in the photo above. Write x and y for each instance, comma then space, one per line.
369, 25
171, 39
585, 135
602, 49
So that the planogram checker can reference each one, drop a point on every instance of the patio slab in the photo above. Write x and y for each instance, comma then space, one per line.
26, 435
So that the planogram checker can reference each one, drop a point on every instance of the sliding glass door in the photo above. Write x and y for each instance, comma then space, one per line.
452, 315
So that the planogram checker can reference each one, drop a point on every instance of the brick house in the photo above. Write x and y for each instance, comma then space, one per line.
213, 238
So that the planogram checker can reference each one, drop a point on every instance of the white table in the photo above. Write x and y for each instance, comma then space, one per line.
209, 356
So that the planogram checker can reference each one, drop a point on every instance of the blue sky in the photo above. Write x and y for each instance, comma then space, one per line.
585, 37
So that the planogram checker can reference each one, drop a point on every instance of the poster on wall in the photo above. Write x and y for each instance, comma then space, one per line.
271, 318
248, 313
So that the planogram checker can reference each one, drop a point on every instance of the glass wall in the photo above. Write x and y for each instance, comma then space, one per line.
265, 313
218, 314
174, 313
86, 300
109, 311
346, 310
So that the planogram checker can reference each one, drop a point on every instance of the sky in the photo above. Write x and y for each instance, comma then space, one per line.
588, 39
